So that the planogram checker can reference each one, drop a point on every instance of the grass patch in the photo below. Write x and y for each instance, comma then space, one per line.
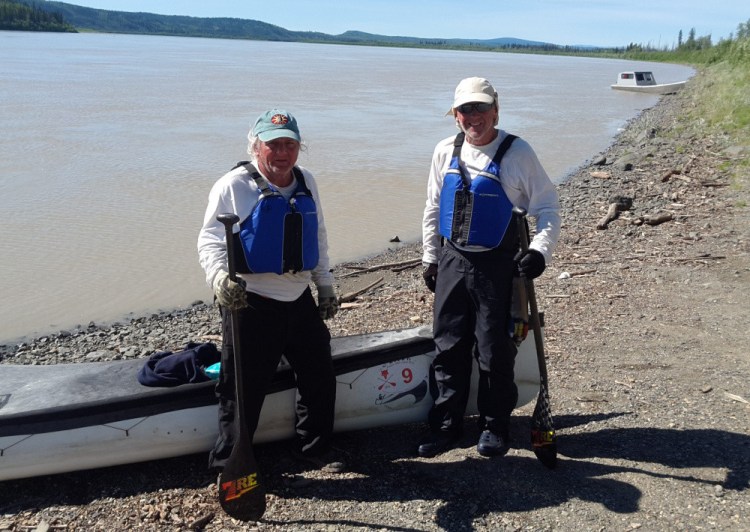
720, 105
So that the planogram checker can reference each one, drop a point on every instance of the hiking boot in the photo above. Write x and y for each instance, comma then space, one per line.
491, 444
436, 443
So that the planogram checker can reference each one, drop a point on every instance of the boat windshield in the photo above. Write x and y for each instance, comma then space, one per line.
644, 76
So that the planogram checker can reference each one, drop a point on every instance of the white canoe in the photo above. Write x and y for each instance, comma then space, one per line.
70, 417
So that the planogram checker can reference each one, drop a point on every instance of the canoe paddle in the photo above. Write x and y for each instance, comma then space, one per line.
543, 441
241, 492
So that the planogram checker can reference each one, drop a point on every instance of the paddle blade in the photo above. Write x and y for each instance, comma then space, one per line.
241, 493
543, 441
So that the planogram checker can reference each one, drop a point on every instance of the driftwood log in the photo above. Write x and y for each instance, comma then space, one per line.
351, 296
669, 173
657, 219
616, 206
393, 265
612, 213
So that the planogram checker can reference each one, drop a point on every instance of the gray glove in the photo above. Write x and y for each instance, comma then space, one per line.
328, 304
230, 294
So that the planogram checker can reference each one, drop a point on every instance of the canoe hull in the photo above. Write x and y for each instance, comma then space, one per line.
382, 379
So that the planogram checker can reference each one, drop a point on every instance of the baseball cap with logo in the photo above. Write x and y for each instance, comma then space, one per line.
276, 124
474, 90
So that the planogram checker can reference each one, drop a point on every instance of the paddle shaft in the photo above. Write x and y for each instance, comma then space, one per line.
536, 324
240, 492
229, 220
542, 431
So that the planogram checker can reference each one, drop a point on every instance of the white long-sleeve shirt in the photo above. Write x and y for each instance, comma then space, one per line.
236, 192
523, 179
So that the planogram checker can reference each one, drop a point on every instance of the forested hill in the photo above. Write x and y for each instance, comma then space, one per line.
22, 17
99, 20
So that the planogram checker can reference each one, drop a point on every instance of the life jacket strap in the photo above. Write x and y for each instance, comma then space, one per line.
504, 145
263, 184
458, 143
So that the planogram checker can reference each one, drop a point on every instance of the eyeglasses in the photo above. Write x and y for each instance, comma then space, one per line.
467, 108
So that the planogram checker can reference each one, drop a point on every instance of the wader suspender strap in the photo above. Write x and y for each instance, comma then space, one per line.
504, 145
262, 182
459, 141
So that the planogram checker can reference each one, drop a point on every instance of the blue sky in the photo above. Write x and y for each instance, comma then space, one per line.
567, 22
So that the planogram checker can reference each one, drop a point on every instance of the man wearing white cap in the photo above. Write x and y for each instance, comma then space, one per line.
471, 254
280, 247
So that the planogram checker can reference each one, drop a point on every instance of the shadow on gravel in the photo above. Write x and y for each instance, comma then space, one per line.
84, 487
460, 491
458, 495
457, 491
676, 449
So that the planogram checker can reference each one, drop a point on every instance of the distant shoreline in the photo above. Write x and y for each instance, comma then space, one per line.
87, 19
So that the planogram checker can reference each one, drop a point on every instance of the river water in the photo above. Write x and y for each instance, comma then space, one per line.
110, 144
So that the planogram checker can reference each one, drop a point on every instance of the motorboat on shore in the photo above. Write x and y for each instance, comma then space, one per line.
645, 82
70, 417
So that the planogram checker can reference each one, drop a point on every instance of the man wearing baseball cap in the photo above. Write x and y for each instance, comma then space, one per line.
472, 90
281, 249
471, 255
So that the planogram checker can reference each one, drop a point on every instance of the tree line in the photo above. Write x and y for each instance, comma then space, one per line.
23, 17
32, 15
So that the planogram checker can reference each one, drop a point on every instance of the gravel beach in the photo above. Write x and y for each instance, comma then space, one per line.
647, 335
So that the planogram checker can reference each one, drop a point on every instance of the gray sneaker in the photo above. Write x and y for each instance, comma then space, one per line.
328, 462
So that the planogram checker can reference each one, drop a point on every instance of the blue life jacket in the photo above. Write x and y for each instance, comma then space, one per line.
475, 211
280, 235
